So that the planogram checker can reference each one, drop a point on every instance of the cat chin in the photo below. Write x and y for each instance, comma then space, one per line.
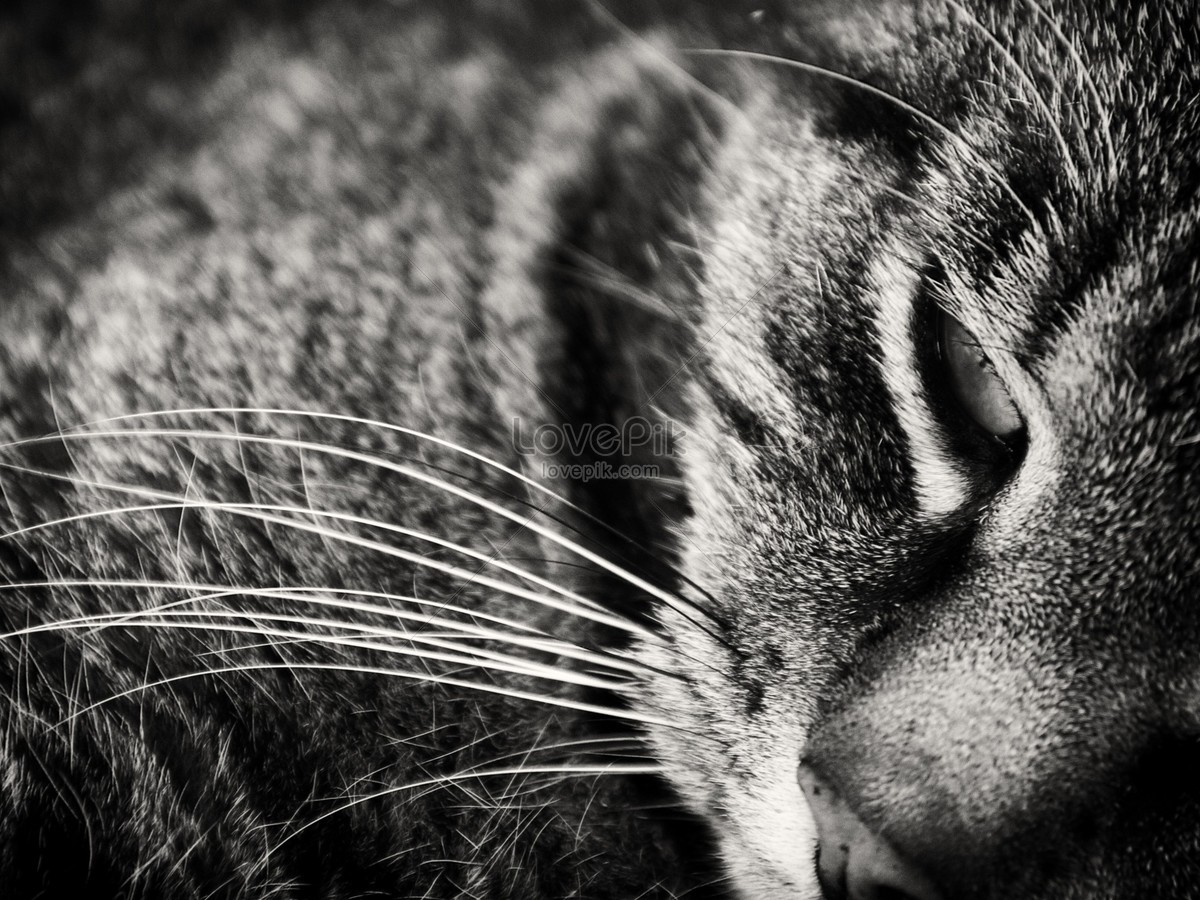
765, 832
769, 846
744, 785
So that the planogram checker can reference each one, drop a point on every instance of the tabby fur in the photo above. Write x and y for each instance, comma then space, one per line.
287, 609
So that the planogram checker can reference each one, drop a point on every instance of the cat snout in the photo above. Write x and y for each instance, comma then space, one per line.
855, 862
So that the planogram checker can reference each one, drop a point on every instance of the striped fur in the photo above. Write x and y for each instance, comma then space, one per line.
288, 611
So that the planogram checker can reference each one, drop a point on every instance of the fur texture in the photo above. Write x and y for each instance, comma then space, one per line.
289, 610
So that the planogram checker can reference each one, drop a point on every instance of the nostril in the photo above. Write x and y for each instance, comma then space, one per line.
852, 861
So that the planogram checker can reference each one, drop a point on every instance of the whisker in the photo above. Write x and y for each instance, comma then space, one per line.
675, 602
263, 513
1031, 89
471, 775
658, 56
460, 630
614, 712
614, 283
382, 426
982, 162
467, 655
612, 744
1085, 73
299, 594
959, 230
251, 511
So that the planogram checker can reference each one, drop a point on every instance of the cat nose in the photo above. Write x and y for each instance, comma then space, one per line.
853, 862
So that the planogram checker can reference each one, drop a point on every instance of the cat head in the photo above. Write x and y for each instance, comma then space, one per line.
942, 454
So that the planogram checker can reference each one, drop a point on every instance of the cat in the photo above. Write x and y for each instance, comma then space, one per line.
600, 450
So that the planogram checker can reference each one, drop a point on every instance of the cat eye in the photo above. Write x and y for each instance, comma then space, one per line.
974, 381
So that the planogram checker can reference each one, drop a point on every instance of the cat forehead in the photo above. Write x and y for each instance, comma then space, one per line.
1070, 128
857, 25
1109, 63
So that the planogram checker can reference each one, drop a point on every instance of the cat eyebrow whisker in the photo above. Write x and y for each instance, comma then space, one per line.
661, 58
981, 162
1085, 74
612, 282
1031, 89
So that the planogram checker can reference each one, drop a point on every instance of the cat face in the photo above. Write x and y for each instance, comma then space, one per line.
943, 458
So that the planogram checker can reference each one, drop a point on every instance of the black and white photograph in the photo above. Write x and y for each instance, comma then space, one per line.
599, 450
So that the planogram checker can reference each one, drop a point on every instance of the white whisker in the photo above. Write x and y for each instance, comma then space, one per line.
612, 744
311, 595
265, 513
425, 676
978, 159
461, 630
1086, 74
472, 775
467, 655
671, 600
342, 419
1031, 90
